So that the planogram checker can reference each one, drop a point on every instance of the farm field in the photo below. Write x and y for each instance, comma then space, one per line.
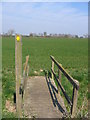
71, 53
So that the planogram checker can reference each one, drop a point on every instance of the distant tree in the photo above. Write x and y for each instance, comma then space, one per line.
50, 34
31, 34
10, 32
45, 33
76, 36
66, 36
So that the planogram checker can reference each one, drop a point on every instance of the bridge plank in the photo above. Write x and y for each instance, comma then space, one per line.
41, 99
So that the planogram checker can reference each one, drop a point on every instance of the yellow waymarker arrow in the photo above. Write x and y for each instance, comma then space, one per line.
18, 38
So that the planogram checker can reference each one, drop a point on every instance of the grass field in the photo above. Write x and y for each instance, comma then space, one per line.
71, 53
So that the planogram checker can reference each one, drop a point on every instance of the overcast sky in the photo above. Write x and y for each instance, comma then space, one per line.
53, 17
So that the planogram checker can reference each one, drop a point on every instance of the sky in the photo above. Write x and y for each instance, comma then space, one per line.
45, 0
52, 17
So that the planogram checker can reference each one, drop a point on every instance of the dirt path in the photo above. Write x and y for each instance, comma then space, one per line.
42, 100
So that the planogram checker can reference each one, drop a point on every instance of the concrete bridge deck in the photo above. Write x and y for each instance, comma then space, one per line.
42, 99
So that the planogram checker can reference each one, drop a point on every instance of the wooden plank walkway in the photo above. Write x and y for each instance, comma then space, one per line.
42, 100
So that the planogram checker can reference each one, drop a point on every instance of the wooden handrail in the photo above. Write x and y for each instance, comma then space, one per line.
63, 90
75, 83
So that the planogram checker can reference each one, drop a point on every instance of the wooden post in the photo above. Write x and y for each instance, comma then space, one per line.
59, 74
27, 70
18, 69
52, 69
25, 75
74, 102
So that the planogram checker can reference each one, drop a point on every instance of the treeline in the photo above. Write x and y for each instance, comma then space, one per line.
11, 32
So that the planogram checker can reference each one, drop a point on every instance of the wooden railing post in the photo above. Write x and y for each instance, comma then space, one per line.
74, 102
52, 69
18, 69
25, 75
59, 74
26, 71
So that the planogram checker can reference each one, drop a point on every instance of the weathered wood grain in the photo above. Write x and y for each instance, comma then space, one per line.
40, 99
62, 88
74, 83
18, 71
74, 100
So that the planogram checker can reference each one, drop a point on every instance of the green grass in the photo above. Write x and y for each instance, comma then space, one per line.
71, 53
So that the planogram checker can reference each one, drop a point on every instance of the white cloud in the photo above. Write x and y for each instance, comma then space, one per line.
33, 17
